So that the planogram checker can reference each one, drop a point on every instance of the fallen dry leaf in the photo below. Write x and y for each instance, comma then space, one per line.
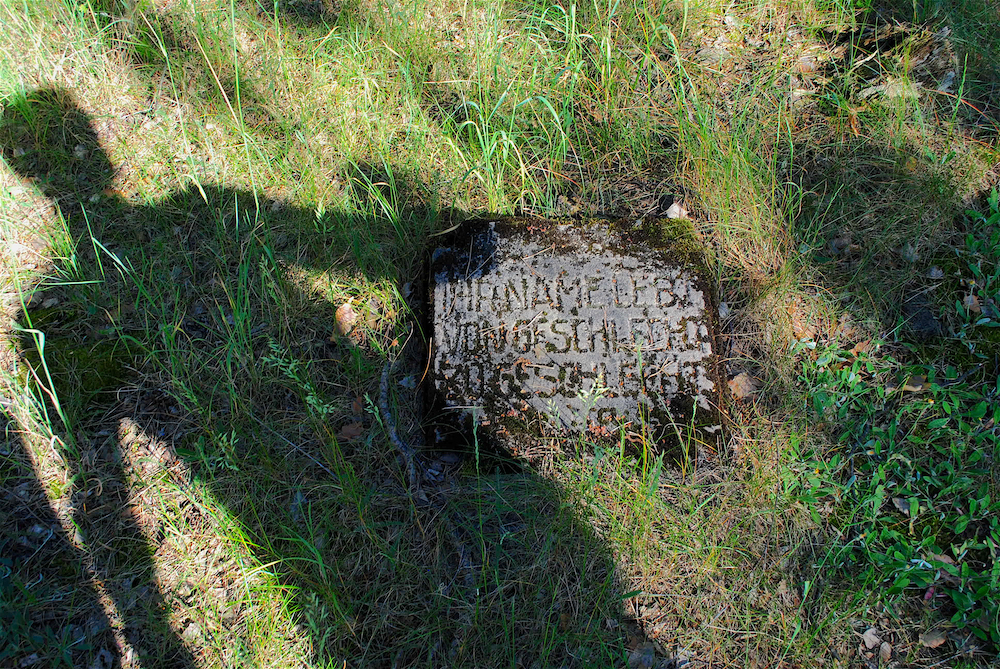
885, 652
357, 406
861, 347
351, 431
802, 328
941, 557
743, 385
933, 638
788, 596
871, 638
916, 384
901, 504
971, 303
345, 319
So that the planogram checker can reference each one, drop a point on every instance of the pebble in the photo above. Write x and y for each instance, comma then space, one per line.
643, 657
677, 210
450, 458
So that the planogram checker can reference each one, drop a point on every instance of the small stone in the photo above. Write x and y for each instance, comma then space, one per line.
643, 657
724, 311
29, 661
677, 210
920, 320
103, 660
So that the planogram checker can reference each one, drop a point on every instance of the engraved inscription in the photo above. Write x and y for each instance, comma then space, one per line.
580, 336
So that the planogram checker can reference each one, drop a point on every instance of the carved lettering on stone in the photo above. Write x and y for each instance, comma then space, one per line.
580, 326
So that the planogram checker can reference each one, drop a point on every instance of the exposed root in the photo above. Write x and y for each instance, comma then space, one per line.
408, 452
466, 564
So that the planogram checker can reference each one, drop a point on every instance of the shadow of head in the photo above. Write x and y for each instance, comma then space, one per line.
46, 138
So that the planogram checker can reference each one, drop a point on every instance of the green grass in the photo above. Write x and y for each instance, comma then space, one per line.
196, 470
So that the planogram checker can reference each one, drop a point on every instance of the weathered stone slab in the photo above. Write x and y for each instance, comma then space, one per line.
573, 327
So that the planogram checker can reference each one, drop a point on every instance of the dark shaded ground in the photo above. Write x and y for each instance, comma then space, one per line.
162, 351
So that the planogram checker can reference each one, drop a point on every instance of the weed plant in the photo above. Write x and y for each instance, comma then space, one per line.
913, 479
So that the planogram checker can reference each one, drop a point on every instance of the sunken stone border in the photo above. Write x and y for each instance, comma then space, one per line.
565, 328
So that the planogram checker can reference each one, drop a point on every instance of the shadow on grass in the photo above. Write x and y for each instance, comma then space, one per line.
39, 564
202, 398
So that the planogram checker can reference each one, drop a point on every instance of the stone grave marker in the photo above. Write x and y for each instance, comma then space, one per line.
558, 329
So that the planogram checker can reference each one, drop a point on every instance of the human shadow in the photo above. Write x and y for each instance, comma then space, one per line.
43, 608
188, 351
